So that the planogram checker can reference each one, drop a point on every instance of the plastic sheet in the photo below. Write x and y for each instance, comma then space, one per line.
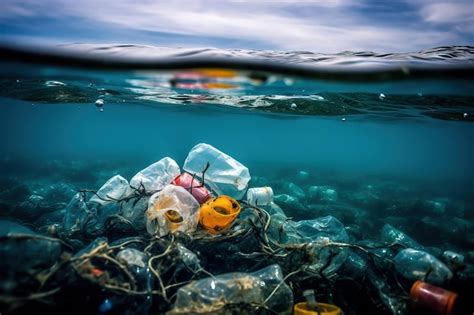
318, 231
170, 210
225, 175
156, 176
213, 295
393, 235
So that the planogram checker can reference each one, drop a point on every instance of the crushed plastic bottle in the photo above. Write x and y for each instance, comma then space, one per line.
212, 295
76, 213
132, 257
289, 202
156, 176
194, 186
189, 259
355, 266
225, 175
322, 193
317, 231
419, 265
395, 303
114, 189
453, 260
392, 235
170, 210
296, 191
260, 196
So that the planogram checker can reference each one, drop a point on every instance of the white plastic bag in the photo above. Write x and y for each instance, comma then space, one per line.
170, 210
114, 188
225, 175
156, 176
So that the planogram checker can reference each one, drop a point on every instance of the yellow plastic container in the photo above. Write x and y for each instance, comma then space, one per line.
325, 309
217, 214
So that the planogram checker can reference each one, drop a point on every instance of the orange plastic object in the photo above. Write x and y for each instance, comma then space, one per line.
97, 272
427, 296
219, 85
217, 73
217, 214
324, 309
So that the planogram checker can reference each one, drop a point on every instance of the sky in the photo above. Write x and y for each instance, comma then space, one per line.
326, 26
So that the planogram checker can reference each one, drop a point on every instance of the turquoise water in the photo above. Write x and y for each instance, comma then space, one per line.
396, 151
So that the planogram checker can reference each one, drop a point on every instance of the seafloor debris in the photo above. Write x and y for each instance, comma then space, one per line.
190, 242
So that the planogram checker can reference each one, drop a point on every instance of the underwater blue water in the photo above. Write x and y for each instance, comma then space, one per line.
405, 149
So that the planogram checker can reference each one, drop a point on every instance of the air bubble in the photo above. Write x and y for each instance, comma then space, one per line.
381, 96
99, 102
293, 106
289, 82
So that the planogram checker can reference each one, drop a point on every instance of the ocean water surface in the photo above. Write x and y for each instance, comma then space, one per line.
378, 142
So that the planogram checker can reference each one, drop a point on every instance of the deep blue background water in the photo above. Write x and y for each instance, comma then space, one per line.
408, 149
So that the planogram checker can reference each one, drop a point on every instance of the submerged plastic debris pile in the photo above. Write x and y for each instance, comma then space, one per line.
203, 240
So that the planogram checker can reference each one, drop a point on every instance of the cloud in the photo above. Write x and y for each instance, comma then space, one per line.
316, 25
